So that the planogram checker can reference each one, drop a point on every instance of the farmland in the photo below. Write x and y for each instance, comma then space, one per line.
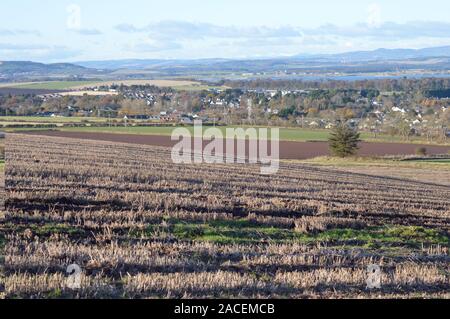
82, 85
2, 175
136, 127
286, 134
50, 85
140, 226
288, 149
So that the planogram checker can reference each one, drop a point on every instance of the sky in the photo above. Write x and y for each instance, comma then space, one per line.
82, 30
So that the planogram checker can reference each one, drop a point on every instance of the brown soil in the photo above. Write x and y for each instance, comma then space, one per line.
288, 150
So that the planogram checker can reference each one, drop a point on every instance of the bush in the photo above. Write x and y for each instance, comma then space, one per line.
344, 141
421, 151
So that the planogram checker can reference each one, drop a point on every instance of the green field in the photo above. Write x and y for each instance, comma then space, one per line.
53, 85
286, 134
41, 119
199, 88
67, 85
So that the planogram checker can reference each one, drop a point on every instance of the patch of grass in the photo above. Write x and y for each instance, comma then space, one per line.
245, 231
55, 294
417, 234
228, 234
412, 235
49, 229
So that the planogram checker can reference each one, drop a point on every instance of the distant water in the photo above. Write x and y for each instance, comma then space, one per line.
362, 77
358, 77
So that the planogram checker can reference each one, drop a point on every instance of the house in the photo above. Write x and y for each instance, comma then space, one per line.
272, 93
397, 109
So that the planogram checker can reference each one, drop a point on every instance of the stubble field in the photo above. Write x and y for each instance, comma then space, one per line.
142, 227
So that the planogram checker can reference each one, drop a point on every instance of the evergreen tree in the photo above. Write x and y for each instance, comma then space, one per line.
344, 141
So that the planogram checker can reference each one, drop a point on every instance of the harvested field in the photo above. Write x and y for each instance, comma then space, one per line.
2, 174
91, 93
159, 83
288, 150
140, 226
18, 91
56, 86
435, 176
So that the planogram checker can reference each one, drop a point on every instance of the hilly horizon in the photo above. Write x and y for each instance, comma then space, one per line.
433, 59
351, 56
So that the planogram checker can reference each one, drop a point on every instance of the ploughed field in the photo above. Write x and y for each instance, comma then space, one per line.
288, 149
140, 226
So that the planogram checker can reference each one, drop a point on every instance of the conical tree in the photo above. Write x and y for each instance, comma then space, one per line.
344, 141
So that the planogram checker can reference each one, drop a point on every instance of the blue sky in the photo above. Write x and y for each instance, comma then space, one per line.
61, 30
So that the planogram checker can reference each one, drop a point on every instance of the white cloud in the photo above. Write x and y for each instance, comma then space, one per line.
13, 51
154, 45
388, 31
180, 39
16, 32
190, 30
87, 31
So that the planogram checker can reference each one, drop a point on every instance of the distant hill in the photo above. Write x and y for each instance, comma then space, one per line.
430, 60
142, 64
386, 54
25, 69
133, 64
233, 64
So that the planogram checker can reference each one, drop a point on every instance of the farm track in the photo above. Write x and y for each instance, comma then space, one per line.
140, 226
